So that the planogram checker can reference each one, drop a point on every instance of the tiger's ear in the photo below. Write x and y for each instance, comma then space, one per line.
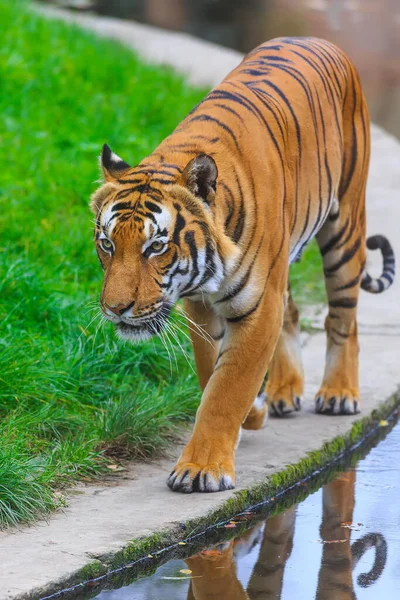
200, 177
112, 165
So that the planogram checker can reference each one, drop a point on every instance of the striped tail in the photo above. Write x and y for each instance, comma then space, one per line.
376, 286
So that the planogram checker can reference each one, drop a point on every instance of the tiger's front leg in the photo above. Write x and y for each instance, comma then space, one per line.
207, 462
207, 330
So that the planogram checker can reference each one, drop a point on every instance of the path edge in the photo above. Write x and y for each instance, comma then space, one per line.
277, 483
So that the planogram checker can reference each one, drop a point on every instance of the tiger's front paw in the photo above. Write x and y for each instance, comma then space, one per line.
337, 401
188, 477
285, 399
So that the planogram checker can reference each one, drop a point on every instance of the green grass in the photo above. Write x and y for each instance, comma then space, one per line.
72, 399
307, 279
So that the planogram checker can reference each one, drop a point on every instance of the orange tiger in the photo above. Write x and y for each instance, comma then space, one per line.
274, 156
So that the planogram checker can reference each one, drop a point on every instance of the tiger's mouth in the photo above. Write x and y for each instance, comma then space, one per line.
146, 328
139, 333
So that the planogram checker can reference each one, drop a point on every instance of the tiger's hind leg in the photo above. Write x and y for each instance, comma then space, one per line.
335, 575
343, 247
258, 414
285, 383
284, 388
343, 267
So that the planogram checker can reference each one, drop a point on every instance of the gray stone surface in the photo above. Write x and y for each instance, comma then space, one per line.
103, 517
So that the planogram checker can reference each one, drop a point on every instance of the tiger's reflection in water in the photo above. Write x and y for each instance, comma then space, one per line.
214, 571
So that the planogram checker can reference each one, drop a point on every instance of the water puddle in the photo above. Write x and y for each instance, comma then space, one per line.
341, 540
368, 30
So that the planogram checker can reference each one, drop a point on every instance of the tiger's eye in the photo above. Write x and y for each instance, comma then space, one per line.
157, 246
107, 245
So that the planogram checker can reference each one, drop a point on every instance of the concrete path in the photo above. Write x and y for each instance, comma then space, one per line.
102, 518
203, 63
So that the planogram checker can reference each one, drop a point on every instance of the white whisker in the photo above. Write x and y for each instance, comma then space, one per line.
164, 343
165, 333
175, 336
198, 329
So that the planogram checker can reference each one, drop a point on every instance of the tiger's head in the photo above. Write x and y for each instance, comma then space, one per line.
158, 238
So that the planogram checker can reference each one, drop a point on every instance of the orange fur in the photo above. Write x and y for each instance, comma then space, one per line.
275, 155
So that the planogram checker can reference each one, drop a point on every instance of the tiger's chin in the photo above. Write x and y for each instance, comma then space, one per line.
134, 334
142, 331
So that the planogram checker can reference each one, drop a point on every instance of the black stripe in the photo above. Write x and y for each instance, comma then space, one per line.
162, 181
167, 267
238, 230
334, 67
153, 207
266, 104
346, 179
179, 225
324, 80
350, 284
267, 46
246, 314
339, 333
337, 58
229, 109
155, 196
219, 123
325, 145
327, 65
323, 77
316, 226
230, 204
305, 224
209, 258
142, 188
257, 72
190, 241
335, 239
123, 194
241, 284
146, 215
343, 303
249, 105
286, 101
172, 166
347, 256
122, 206
134, 180
277, 59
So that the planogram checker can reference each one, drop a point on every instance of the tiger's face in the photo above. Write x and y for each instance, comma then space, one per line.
156, 243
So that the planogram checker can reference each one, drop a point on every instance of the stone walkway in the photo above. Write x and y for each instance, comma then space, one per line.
102, 518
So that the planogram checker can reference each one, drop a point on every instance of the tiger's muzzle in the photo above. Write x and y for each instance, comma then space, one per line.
140, 327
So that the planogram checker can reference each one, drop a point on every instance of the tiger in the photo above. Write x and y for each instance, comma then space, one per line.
274, 156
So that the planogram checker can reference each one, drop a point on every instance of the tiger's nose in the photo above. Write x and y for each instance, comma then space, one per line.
118, 309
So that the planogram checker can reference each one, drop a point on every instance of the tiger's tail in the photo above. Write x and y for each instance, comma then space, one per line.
382, 283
